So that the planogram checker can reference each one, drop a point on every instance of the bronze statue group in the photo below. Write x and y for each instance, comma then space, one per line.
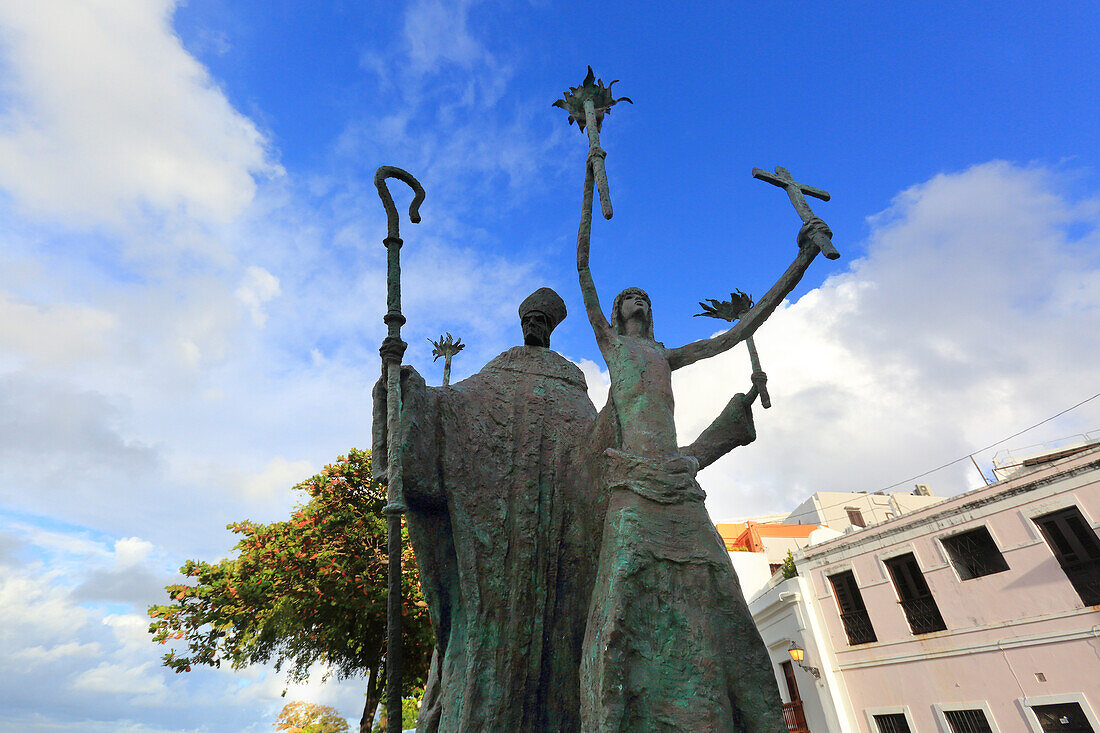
574, 577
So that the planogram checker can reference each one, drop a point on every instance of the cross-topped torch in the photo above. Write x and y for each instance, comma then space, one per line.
731, 310
446, 347
587, 105
782, 178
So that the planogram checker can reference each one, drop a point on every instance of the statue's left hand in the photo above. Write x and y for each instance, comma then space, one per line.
759, 381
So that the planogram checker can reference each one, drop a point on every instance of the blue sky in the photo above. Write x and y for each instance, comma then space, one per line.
192, 274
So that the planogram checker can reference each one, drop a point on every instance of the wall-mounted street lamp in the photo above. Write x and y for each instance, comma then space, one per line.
797, 655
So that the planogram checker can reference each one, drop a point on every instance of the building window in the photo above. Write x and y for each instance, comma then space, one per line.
1067, 717
974, 554
853, 614
915, 598
967, 721
1077, 549
892, 723
855, 518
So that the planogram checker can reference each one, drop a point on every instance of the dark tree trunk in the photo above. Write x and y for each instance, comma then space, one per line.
371, 705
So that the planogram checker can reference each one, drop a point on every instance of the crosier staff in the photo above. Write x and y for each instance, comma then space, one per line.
393, 349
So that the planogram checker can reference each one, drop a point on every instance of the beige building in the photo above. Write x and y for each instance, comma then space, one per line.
843, 510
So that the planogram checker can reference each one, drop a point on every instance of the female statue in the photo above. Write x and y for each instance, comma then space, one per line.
669, 644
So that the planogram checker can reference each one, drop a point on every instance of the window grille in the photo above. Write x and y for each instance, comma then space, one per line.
967, 721
974, 554
915, 598
892, 723
853, 614
1077, 549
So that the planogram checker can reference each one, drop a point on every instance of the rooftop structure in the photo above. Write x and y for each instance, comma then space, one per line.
845, 511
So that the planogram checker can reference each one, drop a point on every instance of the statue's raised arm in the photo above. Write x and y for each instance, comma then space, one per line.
705, 348
587, 105
600, 326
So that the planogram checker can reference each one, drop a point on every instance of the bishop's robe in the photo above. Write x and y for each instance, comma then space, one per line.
505, 517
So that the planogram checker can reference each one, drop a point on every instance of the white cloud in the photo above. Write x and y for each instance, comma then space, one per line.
35, 655
130, 630
130, 551
258, 287
954, 331
120, 679
62, 440
81, 670
68, 543
598, 381
109, 116
275, 479
53, 333
33, 613
436, 31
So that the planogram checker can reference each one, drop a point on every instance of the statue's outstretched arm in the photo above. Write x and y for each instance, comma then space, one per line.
732, 428
600, 325
706, 348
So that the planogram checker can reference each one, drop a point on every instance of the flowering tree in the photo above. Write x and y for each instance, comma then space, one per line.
305, 717
307, 590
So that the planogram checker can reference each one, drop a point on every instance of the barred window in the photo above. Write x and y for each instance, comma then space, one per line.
967, 721
915, 598
974, 554
892, 723
853, 614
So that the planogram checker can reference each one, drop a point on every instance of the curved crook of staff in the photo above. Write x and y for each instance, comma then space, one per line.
392, 217
393, 349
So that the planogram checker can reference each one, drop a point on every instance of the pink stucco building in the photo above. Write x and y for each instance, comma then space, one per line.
978, 613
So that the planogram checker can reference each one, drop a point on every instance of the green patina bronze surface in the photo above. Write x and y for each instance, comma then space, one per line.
505, 514
730, 310
393, 348
782, 178
574, 577
590, 90
669, 644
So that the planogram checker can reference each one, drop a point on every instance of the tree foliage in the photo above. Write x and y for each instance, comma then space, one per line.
306, 717
307, 590
789, 569
410, 712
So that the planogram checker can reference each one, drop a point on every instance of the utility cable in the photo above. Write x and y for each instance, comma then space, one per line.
993, 445
968, 455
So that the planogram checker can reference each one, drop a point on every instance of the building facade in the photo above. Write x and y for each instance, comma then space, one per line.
976, 613
773, 540
845, 510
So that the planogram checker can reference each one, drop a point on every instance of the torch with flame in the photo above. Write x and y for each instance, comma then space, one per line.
731, 310
587, 105
446, 347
